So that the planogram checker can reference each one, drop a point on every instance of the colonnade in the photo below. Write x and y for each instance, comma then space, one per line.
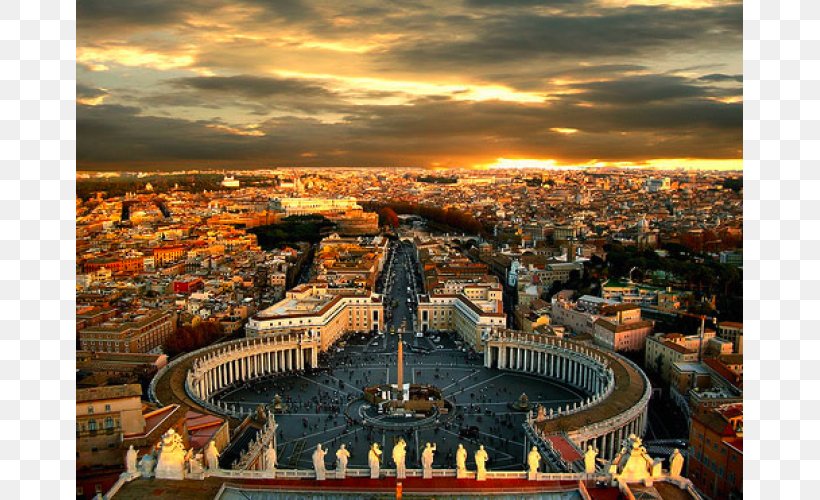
609, 443
249, 359
586, 368
553, 361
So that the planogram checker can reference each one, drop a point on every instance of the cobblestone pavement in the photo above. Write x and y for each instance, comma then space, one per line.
316, 402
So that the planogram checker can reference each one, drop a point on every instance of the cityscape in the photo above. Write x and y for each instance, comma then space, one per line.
562, 311
379, 249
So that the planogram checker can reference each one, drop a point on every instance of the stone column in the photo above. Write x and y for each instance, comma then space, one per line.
611, 445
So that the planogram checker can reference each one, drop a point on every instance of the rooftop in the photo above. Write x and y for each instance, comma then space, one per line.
109, 392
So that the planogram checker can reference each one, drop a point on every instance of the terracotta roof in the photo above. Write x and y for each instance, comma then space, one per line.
618, 308
730, 324
623, 327
567, 451
109, 392
677, 347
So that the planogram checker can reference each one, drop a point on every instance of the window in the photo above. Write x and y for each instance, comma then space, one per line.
90, 409
92, 425
109, 423
107, 408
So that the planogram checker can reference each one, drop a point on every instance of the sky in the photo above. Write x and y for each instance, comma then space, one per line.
438, 84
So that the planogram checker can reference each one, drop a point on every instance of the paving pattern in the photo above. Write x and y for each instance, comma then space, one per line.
316, 402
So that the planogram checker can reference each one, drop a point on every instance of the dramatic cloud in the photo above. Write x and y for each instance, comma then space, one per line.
378, 83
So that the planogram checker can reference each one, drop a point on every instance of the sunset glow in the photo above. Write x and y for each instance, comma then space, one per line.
372, 84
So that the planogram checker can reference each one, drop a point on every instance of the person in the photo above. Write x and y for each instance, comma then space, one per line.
342, 456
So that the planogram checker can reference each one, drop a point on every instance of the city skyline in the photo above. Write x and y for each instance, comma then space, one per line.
475, 84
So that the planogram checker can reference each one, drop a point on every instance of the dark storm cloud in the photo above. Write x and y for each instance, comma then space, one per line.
506, 4
608, 72
719, 77
537, 80
505, 38
286, 10
119, 18
420, 132
253, 86
260, 95
639, 89
88, 92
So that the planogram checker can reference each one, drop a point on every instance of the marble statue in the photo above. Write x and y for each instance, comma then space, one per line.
461, 462
481, 458
427, 460
533, 461
399, 454
131, 461
589, 460
195, 465
146, 465
171, 461
633, 464
211, 456
675, 463
189, 456
373, 457
270, 458
319, 462
342, 456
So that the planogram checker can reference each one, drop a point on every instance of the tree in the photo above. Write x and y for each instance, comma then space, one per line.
388, 217
189, 338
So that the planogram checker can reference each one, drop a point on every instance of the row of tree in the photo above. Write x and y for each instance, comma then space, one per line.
191, 337
292, 230
452, 218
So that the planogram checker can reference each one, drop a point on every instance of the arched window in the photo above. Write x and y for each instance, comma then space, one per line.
92, 425
109, 423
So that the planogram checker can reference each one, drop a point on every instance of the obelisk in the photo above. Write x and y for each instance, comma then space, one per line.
401, 370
